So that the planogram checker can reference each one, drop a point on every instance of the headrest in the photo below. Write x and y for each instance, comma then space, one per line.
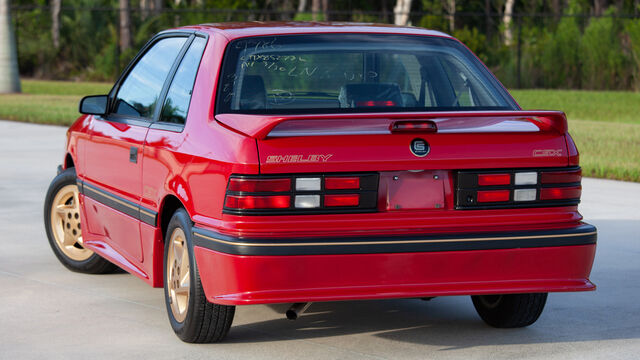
253, 94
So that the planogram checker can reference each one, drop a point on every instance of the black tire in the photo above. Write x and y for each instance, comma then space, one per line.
94, 264
204, 322
510, 311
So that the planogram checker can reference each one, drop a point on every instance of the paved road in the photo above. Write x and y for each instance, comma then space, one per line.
49, 312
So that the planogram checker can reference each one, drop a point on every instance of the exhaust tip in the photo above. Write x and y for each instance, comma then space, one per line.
296, 310
291, 315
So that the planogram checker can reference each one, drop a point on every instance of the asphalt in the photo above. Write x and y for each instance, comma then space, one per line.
49, 312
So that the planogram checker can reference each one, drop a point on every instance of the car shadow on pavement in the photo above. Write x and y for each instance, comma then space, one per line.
611, 312
449, 322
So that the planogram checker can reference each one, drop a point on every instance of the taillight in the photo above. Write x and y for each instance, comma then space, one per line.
494, 179
342, 200
259, 185
487, 196
572, 192
301, 194
518, 188
338, 183
414, 126
561, 177
257, 202
572, 151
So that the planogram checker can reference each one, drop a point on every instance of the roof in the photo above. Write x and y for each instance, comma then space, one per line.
233, 30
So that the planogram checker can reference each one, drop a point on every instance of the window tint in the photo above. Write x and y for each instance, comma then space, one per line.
355, 73
176, 105
141, 89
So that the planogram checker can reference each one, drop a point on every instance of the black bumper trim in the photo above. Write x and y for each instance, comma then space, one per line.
583, 234
115, 202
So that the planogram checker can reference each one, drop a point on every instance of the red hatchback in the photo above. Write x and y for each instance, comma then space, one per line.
252, 163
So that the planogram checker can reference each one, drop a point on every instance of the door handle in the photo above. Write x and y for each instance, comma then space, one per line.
133, 154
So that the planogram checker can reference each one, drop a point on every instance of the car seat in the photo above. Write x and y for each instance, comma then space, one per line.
253, 94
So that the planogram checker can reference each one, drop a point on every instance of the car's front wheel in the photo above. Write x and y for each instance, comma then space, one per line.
510, 311
64, 228
192, 317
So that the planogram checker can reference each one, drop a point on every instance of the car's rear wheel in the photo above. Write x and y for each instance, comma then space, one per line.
192, 317
64, 227
510, 311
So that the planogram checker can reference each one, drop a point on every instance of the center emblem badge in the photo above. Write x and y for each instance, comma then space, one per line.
419, 147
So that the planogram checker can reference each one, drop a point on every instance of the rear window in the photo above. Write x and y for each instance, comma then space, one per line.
328, 73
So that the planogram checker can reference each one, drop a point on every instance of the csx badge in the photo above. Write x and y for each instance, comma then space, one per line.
419, 147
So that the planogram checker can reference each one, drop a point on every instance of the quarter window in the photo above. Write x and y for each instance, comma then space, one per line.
176, 105
141, 89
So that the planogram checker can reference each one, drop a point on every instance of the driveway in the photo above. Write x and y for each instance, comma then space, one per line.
49, 312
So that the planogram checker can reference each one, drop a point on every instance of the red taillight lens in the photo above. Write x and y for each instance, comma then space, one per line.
259, 185
572, 150
561, 177
572, 192
493, 196
301, 194
376, 103
409, 126
337, 183
494, 179
342, 200
257, 202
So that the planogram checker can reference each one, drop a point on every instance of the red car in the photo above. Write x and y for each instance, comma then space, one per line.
252, 163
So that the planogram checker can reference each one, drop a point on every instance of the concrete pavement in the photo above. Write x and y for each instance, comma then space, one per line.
49, 312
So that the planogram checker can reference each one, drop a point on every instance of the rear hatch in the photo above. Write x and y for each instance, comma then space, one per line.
368, 142
513, 169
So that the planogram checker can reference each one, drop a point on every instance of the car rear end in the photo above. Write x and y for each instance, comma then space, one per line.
391, 166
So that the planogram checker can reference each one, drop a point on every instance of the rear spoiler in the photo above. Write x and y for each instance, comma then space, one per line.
263, 126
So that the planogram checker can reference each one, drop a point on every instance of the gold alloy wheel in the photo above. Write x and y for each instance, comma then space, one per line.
178, 281
65, 224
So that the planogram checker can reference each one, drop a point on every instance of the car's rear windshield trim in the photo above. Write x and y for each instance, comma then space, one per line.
320, 111
221, 108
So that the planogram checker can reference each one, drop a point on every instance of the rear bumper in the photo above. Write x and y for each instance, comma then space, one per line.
236, 271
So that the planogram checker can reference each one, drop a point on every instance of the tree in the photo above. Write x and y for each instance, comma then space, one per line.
556, 7
302, 6
450, 7
125, 25
55, 22
401, 12
9, 76
598, 7
315, 9
487, 15
507, 21
286, 10
325, 10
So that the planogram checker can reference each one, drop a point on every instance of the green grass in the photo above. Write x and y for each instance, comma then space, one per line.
79, 89
604, 124
48, 102
609, 106
608, 150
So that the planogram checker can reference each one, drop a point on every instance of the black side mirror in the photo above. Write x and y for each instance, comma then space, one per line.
94, 105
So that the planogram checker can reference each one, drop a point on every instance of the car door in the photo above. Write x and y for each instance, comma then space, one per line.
113, 166
163, 158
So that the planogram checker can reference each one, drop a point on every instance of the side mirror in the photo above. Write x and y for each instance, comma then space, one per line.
94, 105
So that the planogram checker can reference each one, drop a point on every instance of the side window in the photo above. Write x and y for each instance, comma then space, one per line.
176, 105
141, 89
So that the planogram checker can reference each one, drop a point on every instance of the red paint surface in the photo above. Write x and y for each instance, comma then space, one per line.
239, 280
193, 166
